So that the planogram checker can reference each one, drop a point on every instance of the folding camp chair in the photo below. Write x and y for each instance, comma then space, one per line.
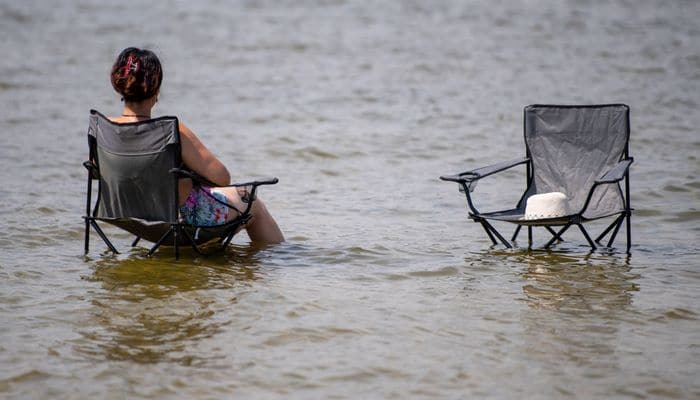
138, 166
582, 151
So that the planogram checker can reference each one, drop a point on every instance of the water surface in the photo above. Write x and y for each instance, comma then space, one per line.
384, 288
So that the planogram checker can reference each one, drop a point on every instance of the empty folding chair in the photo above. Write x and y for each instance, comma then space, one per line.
576, 156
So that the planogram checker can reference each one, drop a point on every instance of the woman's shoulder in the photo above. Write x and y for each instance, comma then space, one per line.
188, 136
185, 131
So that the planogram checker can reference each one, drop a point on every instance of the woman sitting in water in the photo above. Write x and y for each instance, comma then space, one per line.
136, 75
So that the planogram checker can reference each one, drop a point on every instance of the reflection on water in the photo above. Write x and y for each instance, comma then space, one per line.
572, 326
578, 284
156, 309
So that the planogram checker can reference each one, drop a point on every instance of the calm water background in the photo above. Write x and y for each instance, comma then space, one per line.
384, 288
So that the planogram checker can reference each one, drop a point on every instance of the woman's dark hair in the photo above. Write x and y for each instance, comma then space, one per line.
136, 74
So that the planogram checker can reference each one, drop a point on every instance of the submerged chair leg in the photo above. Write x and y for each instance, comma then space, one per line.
228, 239
87, 236
488, 232
629, 231
160, 241
193, 244
615, 228
617, 225
498, 235
617, 221
557, 235
136, 241
588, 238
176, 235
529, 237
103, 236
515, 234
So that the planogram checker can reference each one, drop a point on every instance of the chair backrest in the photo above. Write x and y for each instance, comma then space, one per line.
134, 160
572, 146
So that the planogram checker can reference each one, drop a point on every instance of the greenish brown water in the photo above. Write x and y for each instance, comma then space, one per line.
384, 289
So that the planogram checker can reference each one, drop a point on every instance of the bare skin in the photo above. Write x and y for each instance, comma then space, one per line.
261, 227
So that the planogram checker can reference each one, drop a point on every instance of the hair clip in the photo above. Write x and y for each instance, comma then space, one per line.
132, 65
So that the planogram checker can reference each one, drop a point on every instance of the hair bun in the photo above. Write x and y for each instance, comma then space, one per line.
136, 74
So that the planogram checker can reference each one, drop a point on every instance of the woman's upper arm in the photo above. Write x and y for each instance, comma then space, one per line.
200, 160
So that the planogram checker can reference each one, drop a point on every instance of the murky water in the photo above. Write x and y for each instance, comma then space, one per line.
384, 288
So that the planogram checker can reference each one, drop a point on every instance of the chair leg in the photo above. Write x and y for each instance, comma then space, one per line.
515, 234
177, 233
611, 226
488, 232
160, 241
588, 238
629, 231
557, 235
617, 225
224, 242
192, 242
87, 236
228, 239
529, 237
136, 241
498, 235
103, 236
554, 233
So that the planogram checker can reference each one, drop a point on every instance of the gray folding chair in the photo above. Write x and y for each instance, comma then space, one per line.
581, 151
138, 166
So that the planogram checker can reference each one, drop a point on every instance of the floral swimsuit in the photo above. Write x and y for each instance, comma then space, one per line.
205, 207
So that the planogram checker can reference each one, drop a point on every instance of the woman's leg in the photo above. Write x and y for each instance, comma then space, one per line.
261, 227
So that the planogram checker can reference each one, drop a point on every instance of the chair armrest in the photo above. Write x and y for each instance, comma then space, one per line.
616, 173
183, 173
483, 172
256, 182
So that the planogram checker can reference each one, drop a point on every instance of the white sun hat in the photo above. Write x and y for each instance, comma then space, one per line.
546, 205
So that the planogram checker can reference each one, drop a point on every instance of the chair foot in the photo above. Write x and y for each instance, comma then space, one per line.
588, 238
103, 236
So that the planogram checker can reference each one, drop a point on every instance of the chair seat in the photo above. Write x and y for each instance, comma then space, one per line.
152, 231
516, 216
